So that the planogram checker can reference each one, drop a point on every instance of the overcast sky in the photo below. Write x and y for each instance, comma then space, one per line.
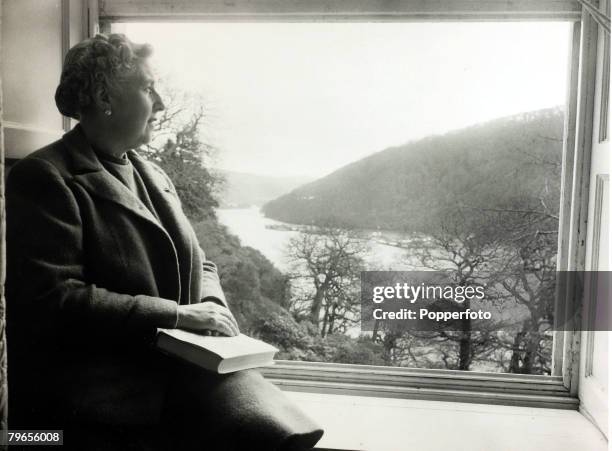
308, 98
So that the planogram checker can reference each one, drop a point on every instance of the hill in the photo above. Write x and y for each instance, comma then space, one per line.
498, 164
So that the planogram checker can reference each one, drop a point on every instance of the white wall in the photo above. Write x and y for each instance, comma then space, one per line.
32, 54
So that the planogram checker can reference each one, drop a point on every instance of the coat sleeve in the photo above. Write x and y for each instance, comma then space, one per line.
45, 257
211, 286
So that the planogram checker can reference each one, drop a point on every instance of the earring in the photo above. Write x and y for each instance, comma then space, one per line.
108, 112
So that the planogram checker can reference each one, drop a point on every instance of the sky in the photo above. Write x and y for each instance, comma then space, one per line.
291, 99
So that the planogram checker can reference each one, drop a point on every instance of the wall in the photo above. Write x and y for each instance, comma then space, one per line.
31, 55
35, 34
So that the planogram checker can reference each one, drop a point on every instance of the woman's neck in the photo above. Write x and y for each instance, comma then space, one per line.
102, 139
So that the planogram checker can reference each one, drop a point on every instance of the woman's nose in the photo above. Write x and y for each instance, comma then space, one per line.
159, 104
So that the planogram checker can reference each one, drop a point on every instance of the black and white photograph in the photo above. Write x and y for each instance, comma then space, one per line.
283, 225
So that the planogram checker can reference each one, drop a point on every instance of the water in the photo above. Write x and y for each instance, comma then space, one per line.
249, 224
252, 228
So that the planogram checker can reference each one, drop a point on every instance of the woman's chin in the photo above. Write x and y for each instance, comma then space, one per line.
145, 138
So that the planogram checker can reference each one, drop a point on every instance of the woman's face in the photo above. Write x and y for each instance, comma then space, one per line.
134, 107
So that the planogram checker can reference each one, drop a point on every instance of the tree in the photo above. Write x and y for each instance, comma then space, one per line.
511, 247
180, 151
471, 251
530, 227
530, 283
329, 261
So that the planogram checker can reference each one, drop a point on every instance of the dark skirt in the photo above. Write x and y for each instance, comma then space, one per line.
238, 411
201, 411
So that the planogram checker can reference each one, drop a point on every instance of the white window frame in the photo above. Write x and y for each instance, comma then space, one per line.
558, 390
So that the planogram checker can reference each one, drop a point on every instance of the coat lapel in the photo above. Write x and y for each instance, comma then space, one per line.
168, 206
160, 190
90, 173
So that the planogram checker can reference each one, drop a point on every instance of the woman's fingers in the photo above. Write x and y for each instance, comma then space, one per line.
230, 320
221, 320
221, 324
233, 322
208, 316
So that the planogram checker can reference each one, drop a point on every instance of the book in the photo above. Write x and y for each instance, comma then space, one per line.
218, 354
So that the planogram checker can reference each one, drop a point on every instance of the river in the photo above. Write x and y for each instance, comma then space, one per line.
253, 229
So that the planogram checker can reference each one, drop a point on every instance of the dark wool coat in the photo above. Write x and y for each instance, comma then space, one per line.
91, 274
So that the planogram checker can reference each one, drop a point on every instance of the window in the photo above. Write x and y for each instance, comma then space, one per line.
462, 11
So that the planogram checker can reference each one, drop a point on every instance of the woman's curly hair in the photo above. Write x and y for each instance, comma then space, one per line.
101, 62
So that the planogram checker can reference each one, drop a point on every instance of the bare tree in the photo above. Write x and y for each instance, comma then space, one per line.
185, 155
328, 262
472, 252
530, 283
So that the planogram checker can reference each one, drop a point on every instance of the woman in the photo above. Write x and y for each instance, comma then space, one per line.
100, 254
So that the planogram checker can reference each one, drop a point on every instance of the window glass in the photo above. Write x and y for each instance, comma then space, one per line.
306, 153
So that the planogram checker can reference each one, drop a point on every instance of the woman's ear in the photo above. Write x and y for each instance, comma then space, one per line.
102, 99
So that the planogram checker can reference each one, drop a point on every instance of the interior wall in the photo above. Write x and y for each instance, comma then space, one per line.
32, 54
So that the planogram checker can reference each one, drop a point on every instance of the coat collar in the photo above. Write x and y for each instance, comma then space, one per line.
91, 174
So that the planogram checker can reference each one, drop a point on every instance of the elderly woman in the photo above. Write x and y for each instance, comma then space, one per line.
100, 254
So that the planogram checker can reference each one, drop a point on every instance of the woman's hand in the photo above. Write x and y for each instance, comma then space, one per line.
207, 316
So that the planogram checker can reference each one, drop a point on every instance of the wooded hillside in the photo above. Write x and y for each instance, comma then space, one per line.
407, 188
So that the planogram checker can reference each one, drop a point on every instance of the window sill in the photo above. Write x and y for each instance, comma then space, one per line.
383, 424
422, 384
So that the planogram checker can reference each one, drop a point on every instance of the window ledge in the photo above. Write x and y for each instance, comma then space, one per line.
422, 384
383, 424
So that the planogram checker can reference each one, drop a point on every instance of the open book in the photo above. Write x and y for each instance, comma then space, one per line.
218, 354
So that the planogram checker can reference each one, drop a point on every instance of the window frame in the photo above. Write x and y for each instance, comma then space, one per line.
558, 390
